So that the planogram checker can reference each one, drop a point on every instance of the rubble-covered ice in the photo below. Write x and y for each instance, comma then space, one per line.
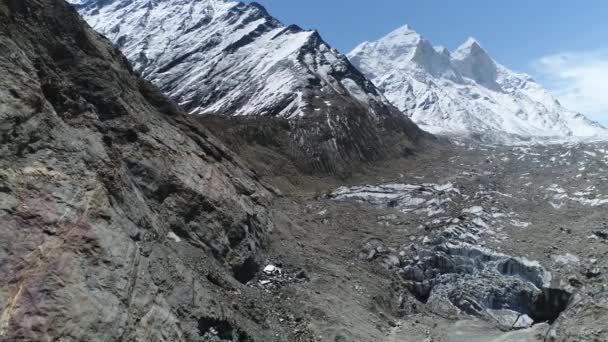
449, 269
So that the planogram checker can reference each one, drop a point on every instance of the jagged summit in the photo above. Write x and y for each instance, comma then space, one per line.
466, 48
399, 49
400, 43
442, 50
403, 34
466, 92
473, 62
405, 29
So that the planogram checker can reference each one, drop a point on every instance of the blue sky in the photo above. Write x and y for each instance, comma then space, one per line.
563, 44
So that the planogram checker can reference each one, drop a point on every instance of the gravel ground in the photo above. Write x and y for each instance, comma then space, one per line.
543, 206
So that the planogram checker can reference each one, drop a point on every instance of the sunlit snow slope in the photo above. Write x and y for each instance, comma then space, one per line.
465, 93
226, 57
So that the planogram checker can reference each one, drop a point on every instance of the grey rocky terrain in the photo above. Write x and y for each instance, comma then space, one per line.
120, 217
466, 243
123, 219
510, 236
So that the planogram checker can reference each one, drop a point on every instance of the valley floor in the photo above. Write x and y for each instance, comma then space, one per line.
469, 243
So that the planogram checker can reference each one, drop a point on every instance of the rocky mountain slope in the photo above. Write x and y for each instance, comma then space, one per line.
466, 92
229, 58
121, 218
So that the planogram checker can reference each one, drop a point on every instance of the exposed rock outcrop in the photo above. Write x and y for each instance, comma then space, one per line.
114, 206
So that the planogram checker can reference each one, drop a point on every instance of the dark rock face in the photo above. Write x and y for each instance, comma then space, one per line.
113, 204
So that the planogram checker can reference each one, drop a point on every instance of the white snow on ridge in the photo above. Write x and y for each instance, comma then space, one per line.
226, 57
466, 93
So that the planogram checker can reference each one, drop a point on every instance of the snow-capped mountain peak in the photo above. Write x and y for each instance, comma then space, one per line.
401, 44
467, 48
400, 49
465, 92
473, 62
229, 58
402, 37
223, 56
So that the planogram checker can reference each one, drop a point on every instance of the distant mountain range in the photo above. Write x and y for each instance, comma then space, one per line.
465, 93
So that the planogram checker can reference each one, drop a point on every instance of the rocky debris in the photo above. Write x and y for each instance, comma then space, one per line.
432, 199
602, 234
272, 269
502, 220
575, 282
453, 277
389, 217
584, 320
566, 259
217, 330
273, 277
523, 322
447, 207
447, 269
114, 205
372, 249
459, 277
504, 318
592, 272
507, 319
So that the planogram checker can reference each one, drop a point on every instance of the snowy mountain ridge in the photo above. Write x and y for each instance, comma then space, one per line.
226, 57
466, 92
235, 60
